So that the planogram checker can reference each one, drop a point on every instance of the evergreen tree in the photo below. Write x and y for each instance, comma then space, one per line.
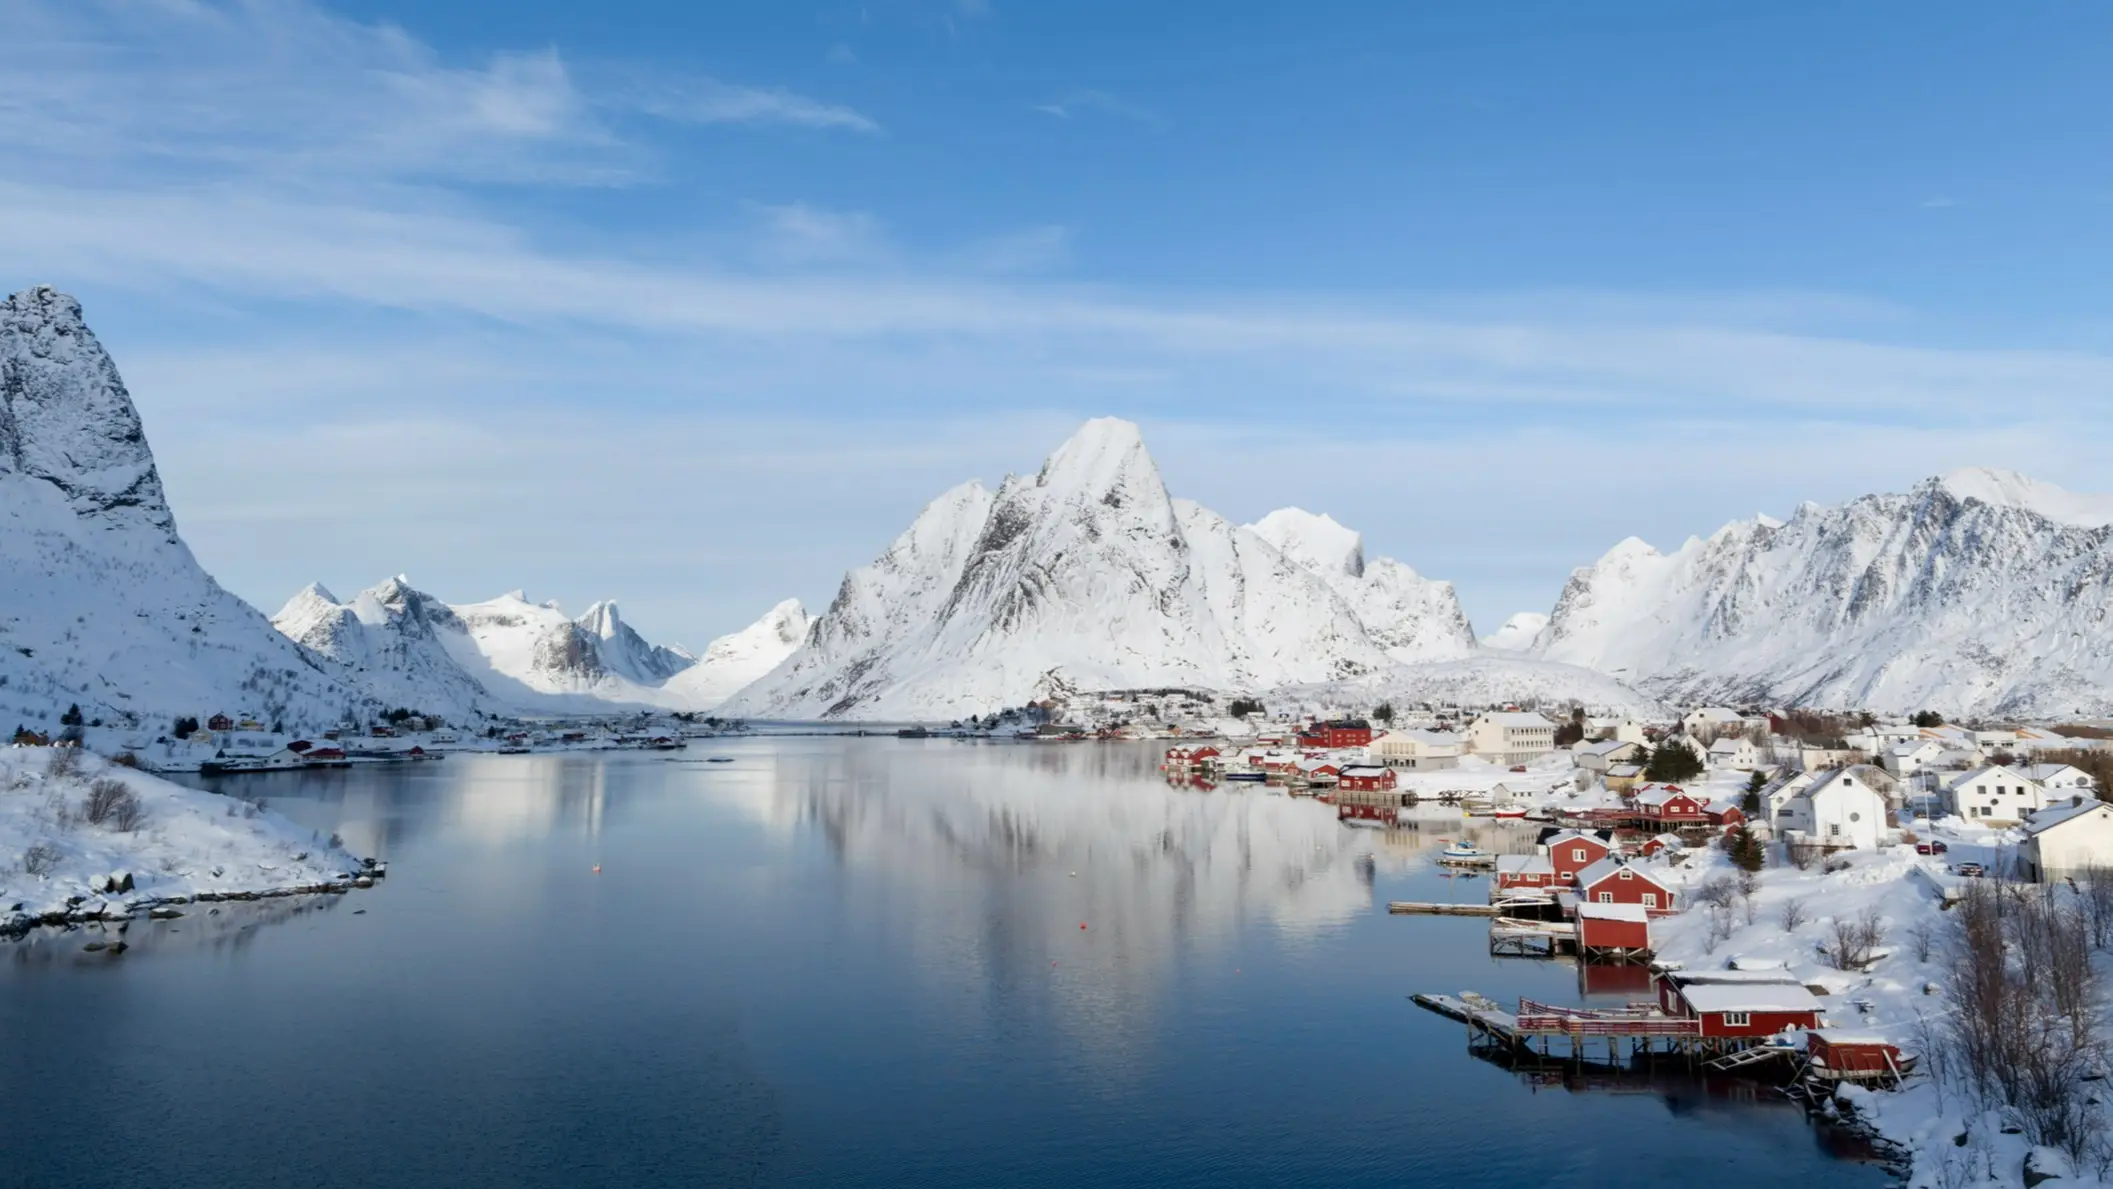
1673, 762
1384, 712
72, 717
1744, 849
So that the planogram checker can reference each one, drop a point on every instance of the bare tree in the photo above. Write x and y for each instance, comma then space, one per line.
1853, 941
1717, 892
2096, 894
1923, 934
1794, 914
105, 799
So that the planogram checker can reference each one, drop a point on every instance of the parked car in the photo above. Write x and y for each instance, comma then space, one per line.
1974, 869
1518, 767
1931, 847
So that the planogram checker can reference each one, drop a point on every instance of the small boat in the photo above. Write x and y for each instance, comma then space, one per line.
1464, 854
1511, 811
719, 760
1245, 776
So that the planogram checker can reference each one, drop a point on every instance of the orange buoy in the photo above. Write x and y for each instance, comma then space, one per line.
1082, 924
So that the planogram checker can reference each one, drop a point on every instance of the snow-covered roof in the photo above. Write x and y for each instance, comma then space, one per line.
1612, 912
1601, 748
1714, 714
1515, 718
2068, 811
1683, 978
1608, 867
1524, 865
1726, 746
2046, 772
1659, 794
1997, 770
1774, 996
1625, 769
1576, 836
1364, 770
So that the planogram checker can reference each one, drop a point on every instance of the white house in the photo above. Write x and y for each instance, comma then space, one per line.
2068, 838
1995, 795
1839, 810
1510, 737
1598, 757
1415, 749
1908, 757
1734, 752
1620, 730
2059, 778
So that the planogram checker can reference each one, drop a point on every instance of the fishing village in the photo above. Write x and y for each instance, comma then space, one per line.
1810, 904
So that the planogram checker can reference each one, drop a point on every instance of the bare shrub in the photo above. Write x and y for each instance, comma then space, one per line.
1718, 892
1923, 936
129, 814
125, 759
1801, 854
41, 860
1794, 914
65, 761
1853, 940
103, 798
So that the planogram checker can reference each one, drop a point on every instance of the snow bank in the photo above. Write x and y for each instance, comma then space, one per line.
55, 864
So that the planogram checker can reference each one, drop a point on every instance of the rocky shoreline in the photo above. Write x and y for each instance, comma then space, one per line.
87, 910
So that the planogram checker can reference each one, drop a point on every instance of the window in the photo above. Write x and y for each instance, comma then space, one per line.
1738, 1019
1627, 874
1650, 899
1606, 897
1577, 854
1834, 830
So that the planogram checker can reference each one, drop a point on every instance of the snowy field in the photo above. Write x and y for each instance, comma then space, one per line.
56, 858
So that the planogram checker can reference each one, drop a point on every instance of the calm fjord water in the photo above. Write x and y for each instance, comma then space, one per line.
830, 962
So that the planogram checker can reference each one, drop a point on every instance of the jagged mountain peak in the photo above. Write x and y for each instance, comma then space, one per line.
1979, 593
1314, 540
2009, 489
66, 417
1091, 570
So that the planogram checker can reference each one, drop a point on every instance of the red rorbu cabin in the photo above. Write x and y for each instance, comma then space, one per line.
1365, 778
1612, 882
1613, 930
1738, 1004
1572, 851
1839, 1056
1342, 732
1669, 805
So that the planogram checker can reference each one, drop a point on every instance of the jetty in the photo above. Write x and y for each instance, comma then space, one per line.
1425, 908
1640, 1029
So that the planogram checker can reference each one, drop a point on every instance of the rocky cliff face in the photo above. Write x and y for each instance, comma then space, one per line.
1088, 574
103, 603
1975, 593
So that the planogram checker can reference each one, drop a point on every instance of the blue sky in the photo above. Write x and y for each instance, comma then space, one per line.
694, 305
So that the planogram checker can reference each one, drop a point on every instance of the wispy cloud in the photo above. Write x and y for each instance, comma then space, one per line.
1103, 103
280, 92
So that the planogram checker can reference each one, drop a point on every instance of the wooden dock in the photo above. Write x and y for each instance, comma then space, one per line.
1423, 908
1628, 1034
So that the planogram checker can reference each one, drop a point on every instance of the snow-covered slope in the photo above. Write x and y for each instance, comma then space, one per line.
103, 603
388, 638
1518, 632
1414, 618
1978, 592
1088, 574
625, 653
733, 661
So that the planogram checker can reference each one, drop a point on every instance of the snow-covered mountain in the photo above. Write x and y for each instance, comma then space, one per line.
1977, 592
1518, 632
104, 604
1088, 574
1414, 618
733, 661
509, 654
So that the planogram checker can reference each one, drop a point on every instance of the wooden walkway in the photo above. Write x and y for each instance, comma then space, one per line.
1423, 908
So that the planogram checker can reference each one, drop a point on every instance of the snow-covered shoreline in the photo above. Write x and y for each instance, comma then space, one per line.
85, 839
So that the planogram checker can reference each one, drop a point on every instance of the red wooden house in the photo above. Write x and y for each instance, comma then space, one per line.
1612, 882
1342, 732
1669, 806
1658, 843
1745, 1009
219, 723
1526, 871
1724, 812
1613, 930
1571, 851
1367, 778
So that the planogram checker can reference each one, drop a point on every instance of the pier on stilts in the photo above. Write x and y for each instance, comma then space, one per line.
1624, 1036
